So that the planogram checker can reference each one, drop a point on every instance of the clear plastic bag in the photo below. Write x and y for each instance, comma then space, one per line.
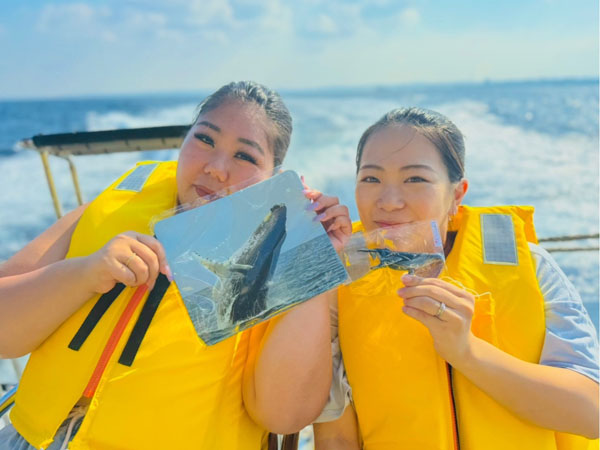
415, 248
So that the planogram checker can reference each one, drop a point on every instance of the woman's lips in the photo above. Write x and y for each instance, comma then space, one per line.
204, 192
381, 224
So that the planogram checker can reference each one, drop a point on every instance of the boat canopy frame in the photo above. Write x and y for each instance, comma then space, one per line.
65, 145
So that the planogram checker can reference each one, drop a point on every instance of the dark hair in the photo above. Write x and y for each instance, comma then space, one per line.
442, 133
269, 100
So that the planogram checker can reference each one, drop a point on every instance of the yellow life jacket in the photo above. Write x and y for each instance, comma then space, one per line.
177, 394
405, 395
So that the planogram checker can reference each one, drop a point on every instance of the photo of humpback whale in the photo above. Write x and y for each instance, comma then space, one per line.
243, 279
246, 257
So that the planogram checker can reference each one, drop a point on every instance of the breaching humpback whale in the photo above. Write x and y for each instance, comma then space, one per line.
242, 288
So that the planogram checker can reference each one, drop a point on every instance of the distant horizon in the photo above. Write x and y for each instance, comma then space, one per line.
307, 90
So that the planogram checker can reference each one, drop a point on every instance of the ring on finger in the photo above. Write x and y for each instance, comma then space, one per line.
129, 259
440, 311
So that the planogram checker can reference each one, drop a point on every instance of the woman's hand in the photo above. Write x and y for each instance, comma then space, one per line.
130, 258
449, 325
334, 217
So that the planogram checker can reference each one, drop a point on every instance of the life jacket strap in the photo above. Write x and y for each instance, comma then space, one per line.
143, 322
95, 315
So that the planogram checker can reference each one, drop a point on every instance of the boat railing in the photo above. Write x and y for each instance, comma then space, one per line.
8, 387
575, 237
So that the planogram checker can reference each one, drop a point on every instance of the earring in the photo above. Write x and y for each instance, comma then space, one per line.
451, 215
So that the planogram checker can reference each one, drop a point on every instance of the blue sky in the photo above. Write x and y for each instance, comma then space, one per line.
70, 48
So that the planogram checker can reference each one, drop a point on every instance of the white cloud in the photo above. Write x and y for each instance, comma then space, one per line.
410, 16
284, 44
216, 36
71, 14
171, 35
156, 24
276, 17
335, 20
126, 25
148, 19
377, 2
75, 19
325, 25
351, 15
207, 12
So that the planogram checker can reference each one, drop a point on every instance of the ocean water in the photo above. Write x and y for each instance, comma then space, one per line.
533, 143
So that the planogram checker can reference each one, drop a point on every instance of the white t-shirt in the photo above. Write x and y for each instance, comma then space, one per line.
571, 340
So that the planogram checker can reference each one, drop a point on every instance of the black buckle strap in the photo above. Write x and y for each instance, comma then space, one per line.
143, 323
95, 315
140, 328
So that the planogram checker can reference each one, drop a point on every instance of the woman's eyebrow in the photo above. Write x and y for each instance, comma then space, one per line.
249, 142
212, 126
371, 166
410, 166
417, 166
252, 144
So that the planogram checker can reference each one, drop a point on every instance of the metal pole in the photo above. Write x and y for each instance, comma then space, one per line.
572, 249
75, 179
576, 237
17, 368
57, 208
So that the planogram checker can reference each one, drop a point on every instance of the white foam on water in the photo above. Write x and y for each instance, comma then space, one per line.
506, 164
175, 115
26, 204
326, 132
